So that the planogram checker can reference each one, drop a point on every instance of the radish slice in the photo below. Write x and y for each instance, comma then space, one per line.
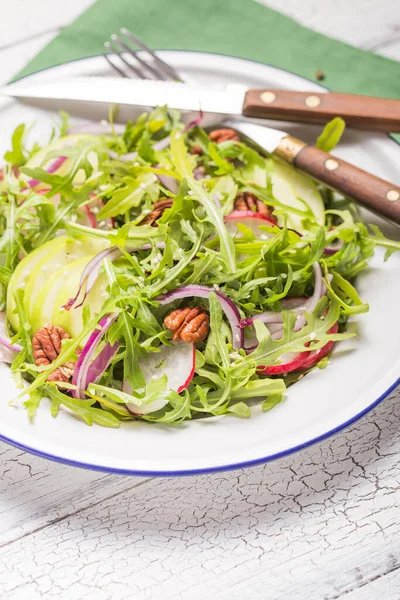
250, 219
315, 356
291, 361
177, 362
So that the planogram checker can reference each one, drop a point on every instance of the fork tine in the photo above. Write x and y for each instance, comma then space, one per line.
116, 52
163, 66
156, 72
114, 66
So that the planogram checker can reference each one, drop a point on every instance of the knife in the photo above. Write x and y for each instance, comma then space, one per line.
374, 193
360, 112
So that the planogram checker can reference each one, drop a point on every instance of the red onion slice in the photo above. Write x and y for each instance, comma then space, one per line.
202, 291
333, 248
55, 165
319, 291
122, 157
299, 305
80, 377
295, 304
7, 349
170, 183
90, 274
100, 364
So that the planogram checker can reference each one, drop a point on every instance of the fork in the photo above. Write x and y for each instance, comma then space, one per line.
126, 44
360, 112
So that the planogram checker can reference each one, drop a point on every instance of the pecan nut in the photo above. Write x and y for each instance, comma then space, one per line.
188, 325
46, 346
249, 201
158, 209
223, 135
196, 150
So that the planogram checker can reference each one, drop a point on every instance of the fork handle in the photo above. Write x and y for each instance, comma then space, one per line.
360, 112
374, 193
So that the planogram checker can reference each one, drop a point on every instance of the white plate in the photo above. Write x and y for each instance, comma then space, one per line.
361, 372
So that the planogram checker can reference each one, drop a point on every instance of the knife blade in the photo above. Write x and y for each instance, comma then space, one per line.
361, 112
378, 195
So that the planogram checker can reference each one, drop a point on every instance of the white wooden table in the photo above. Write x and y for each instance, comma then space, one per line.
321, 524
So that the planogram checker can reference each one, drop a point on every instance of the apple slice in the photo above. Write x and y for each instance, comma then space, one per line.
60, 255
288, 185
22, 272
95, 300
250, 219
177, 362
46, 307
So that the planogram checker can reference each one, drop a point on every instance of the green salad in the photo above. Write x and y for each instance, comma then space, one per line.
155, 271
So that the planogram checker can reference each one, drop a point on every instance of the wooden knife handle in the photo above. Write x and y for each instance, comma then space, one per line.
376, 194
360, 112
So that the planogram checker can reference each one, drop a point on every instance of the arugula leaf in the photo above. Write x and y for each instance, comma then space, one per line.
240, 409
123, 199
314, 335
17, 155
331, 135
32, 404
83, 409
271, 401
184, 166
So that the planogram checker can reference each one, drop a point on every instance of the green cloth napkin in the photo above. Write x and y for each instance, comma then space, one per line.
241, 28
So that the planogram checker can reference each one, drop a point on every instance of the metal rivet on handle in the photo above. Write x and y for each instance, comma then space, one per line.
392, 195
312, 101
268, 97
331, 164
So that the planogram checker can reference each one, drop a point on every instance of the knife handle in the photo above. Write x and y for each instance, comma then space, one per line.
360, 112
374, 193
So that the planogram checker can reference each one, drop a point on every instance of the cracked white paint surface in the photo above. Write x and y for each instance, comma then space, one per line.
319, 525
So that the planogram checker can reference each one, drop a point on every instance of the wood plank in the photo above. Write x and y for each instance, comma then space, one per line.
362, 23
35, 492
24, 19
389, 49
386, 587
315, 525
13, 59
